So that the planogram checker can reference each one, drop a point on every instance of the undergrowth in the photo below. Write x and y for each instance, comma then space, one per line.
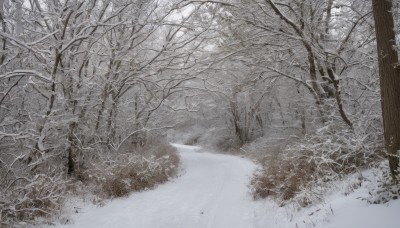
136, 173
37, 197
301, 171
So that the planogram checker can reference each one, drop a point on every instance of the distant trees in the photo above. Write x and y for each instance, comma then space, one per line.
292, 66
389, 70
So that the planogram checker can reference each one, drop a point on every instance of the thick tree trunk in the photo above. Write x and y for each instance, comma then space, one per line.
389, 79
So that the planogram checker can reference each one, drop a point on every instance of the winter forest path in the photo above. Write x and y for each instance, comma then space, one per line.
212, 192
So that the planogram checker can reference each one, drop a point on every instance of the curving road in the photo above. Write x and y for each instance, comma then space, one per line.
212, 192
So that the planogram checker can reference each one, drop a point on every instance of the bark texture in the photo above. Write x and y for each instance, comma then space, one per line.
389, 79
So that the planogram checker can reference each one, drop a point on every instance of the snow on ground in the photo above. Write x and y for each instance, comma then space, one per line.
212, 192
344, 207
353, 210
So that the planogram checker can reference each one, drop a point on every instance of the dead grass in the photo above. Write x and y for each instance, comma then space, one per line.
227, 145
295, 171
282, 178
159, 163
40, 196
104, 175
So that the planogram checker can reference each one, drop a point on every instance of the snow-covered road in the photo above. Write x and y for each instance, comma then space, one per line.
211, 192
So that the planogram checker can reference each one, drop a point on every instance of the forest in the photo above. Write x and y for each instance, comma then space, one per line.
92, 93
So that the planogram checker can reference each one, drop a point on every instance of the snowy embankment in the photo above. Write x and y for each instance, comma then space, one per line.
212, 191
344, 207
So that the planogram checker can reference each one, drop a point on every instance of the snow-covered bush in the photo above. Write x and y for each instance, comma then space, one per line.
302, 170
382, 187
136, 176
220, 140
336, 152
281, 178
141, 168
25, 199
36, 191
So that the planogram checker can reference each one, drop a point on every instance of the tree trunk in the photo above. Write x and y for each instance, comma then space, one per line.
338, 98
389, 79
3, 25
71, 162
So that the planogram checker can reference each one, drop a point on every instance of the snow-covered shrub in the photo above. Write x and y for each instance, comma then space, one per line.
381, 185
142, 168
34, 192
39, 196
336, 152
305, 167
220, 140
281, 178
135, 176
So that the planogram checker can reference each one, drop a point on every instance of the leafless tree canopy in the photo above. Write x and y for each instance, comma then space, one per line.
85, 81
